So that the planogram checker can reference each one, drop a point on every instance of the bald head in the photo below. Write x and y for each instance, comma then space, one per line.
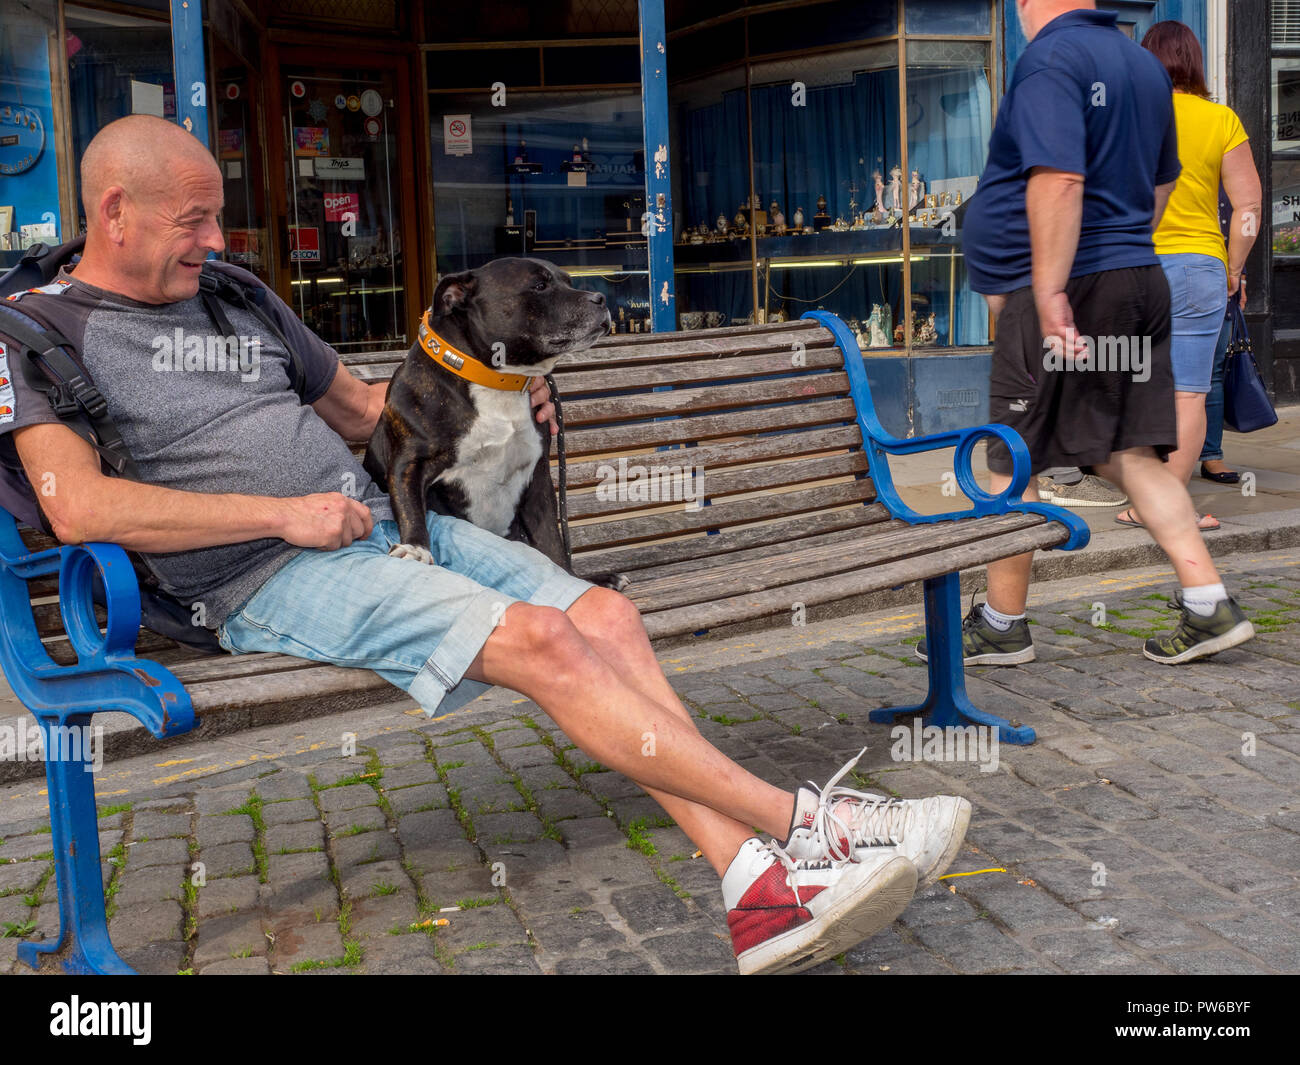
140, 154
1035, 14
153, 195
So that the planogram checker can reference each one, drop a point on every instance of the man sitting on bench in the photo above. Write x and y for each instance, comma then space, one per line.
252, 508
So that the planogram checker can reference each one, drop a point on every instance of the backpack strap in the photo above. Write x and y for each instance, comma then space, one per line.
215, 288
67, 386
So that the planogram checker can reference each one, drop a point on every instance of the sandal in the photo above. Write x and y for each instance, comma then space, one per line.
1222, 477
1127, 518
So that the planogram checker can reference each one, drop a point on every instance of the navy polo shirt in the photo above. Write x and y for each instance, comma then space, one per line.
1086, 99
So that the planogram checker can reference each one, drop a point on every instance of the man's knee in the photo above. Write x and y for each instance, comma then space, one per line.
605, 612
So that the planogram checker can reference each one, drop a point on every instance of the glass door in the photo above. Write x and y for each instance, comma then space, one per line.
344, 248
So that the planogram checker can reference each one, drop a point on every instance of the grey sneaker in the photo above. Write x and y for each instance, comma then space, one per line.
1197, 636
983, 645
1090, 492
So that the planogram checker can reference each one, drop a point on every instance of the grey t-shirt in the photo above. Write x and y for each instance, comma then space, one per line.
200, 414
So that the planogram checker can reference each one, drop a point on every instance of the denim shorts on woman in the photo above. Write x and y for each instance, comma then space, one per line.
1198, 295
418, 626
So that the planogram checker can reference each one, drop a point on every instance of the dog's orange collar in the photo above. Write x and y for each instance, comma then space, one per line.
453, 360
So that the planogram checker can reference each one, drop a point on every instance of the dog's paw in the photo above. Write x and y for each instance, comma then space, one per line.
617, 581
413, 552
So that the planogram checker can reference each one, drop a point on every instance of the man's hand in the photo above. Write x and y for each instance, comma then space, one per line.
1056, 321
326, 520
541, 401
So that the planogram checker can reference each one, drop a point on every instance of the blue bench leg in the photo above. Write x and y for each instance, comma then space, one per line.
947, 702
74, 824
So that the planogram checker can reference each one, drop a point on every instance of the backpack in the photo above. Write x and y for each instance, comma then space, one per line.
51, 366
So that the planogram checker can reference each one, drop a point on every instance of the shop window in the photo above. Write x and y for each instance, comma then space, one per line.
118, 64
947, 17
29, 163
553, 175
1286, 171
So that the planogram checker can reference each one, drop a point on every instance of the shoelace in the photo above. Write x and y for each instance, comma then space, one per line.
793, 867
862, 829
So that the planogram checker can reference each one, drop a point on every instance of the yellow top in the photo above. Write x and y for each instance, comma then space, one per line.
1206, 132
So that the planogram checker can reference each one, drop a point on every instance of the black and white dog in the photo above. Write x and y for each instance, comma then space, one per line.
475, 450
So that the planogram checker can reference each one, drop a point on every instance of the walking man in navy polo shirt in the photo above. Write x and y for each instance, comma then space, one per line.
1058, 239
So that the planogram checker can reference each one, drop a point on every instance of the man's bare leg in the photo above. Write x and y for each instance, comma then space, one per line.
1191, 438
540, 653
1009, 577
1167, 511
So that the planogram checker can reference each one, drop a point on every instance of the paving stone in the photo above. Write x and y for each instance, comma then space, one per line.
412, 954
227, 895
285, 813
163, 958
149, 885
1277, 943
557, 804
1016, 905
227, 859
567, 934
21, 877
310, 941
615, 963
1147, 925
431, 796
328, 774
518, 758
498, 829
367, 847
501, 961
700, 951
157, 852
405, 776
361, 881
975, 946
215, 830
1209, 963
142, 924
237, 967
349, 822
302, 836
348, 797
1091, 952
151, 825
1009, 842
482, 924
376, 916
650, 908
283, 784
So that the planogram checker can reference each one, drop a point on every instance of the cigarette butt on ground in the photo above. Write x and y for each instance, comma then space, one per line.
697, 854
440, 922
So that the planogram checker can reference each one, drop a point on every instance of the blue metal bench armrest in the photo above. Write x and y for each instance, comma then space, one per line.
879, 445
107, 674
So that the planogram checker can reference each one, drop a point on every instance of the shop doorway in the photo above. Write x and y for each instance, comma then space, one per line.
349, 257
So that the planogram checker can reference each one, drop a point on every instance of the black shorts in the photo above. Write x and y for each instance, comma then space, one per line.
1080, 414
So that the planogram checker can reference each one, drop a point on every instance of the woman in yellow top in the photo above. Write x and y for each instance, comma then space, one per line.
1202, 272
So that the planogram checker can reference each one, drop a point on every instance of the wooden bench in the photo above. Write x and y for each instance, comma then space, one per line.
780, 502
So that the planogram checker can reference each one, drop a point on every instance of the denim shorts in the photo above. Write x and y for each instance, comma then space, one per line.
1198, 293
418, 626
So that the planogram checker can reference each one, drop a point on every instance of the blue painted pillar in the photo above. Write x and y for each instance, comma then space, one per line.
658, 174
190, 69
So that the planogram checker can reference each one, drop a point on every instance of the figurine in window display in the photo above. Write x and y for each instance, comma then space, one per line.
778, 218
915, 190
510, 210
879, 181
521, 153
722, 224
925, 332
821, 220
798, 218
586, 151
777, 315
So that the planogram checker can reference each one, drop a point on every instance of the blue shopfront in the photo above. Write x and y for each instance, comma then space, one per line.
702, 162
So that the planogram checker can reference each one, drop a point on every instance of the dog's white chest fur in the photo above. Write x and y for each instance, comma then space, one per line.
496, 457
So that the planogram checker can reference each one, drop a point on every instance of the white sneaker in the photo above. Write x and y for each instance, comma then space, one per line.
786, 914
928, 832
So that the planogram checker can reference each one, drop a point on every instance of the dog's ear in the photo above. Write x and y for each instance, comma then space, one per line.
454, 292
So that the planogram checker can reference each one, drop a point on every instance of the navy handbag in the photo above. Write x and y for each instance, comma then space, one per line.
1246, 406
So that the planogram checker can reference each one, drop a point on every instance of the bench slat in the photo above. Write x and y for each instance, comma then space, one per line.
730, 453
703, 549
615, 438
742, 608
881, 545
738, 512
696, 370
678, 402
728, 483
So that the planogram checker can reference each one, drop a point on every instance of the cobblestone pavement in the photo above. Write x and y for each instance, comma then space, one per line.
1154, 827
